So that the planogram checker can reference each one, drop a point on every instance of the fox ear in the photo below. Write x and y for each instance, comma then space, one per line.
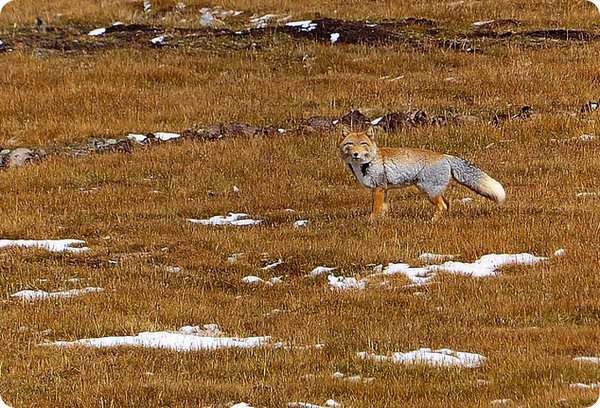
371, 132
345, 131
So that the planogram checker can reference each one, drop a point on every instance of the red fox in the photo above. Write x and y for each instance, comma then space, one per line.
385, 168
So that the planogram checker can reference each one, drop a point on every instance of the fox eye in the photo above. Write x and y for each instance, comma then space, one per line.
349, 144
364, 144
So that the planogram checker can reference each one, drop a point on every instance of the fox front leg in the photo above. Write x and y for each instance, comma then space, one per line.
380, 202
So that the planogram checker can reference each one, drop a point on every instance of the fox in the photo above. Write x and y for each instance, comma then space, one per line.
381, 169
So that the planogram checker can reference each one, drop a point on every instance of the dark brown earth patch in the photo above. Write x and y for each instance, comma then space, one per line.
411, 32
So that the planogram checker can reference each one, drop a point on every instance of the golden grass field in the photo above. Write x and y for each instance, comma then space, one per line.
131, 209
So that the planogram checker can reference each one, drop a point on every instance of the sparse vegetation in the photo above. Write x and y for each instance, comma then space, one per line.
132, 208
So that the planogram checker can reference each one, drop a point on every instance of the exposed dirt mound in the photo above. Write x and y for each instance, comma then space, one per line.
342, 31
411, 32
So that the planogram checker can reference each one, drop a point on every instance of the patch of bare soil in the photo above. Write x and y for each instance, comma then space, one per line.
411, 32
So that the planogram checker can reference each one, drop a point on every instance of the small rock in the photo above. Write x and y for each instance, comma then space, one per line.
111, 145
316, 124
239, 129
269, 130
192, 134
396, 121
527, 112
589, 107
18, 157
355, 120
214, 131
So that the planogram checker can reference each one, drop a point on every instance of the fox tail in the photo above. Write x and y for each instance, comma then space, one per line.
476, 179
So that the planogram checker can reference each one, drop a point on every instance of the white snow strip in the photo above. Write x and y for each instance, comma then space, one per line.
307, 25
559, 252
303, 23
437, 358
334, 37
586, 138
52, 245
481, 23
138, 138
342, 282
261, 22
255, 279
164, 136
96, 32
303, 405
252, 279
595, 360
40, 294
375, 122
2, 404
487, 264
241, 405
301, 223
273, 265
585, 386
319, 270
158, 40
231, 219
500, 401
419, 276
167, 340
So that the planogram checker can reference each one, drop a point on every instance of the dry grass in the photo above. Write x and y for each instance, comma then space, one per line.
131, 209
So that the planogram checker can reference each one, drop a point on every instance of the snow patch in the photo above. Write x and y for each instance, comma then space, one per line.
594, 360
231, 219
97, 32
165, 136
306, 25
300, 223
2, 404
40, 294
438, 358
255, 279
273, 265
52, 245
343, 282
178, 341
138, 138
319, 270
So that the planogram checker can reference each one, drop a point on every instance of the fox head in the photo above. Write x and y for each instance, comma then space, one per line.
358, 147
